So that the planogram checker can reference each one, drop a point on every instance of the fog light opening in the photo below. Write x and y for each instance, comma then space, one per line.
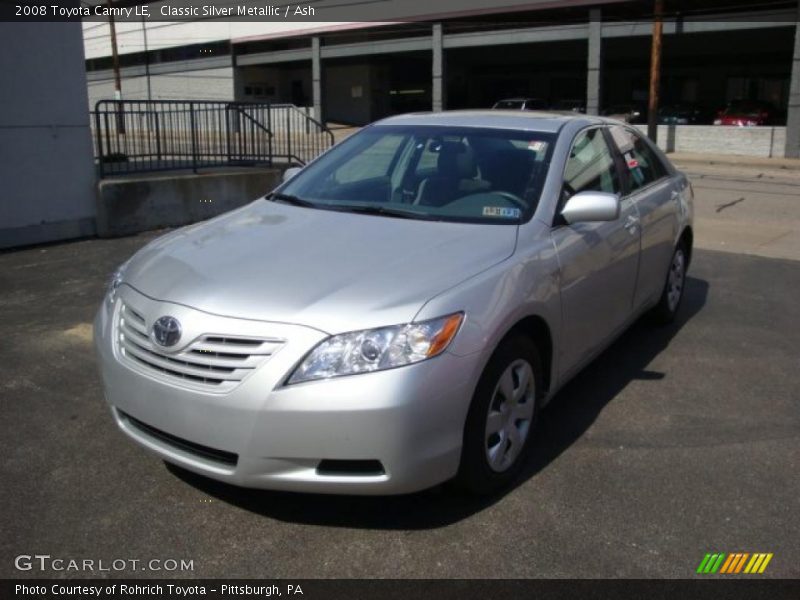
352, 468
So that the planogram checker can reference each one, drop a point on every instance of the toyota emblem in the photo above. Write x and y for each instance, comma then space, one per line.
166, 331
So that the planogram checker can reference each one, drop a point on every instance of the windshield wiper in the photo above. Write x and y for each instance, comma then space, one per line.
289, 199
385, 212
361, 209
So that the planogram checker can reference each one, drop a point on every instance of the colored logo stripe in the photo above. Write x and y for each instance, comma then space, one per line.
727, 564
734, 563
711, 563
758, 563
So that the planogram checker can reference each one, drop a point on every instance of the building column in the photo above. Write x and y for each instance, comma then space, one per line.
793, 115
316, 78
594, 60
437, 89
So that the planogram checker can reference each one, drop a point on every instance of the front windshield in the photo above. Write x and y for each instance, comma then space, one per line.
434, 173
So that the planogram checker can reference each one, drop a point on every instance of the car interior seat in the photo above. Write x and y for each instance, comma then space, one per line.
456, 176
510, 170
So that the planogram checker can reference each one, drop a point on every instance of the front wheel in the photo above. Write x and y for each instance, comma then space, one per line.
501, 418
672, 295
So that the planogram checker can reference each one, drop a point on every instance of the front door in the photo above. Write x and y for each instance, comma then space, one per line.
598, 261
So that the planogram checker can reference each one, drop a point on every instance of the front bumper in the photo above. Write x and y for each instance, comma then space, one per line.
263, 434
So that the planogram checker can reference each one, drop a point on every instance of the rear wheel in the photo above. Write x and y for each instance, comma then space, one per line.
501, 418
672, 295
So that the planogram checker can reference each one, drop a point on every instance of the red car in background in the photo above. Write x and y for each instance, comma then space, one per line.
748, 113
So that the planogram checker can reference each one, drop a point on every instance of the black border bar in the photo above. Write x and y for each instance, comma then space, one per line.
397, 11
717, 588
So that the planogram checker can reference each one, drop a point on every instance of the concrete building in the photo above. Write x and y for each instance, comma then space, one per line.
46, 162
567, 53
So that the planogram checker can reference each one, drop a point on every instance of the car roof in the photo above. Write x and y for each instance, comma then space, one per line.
534, 120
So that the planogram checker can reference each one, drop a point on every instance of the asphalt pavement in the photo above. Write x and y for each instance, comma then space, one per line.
745, 204
676, 442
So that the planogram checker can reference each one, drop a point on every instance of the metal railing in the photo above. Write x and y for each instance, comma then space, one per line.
137, 136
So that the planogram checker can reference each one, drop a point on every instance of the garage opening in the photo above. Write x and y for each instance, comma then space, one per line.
554, 73
358, 91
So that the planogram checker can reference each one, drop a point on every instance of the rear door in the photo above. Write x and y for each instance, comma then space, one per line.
651, 187
598, 261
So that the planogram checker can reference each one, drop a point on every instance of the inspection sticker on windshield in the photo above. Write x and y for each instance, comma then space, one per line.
501, 211
536, 146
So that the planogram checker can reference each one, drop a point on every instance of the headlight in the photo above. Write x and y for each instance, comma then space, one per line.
114, 282
378, 349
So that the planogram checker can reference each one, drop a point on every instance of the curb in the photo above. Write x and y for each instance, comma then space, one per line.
780, 164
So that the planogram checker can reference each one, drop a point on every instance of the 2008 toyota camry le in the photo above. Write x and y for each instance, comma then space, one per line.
396, 313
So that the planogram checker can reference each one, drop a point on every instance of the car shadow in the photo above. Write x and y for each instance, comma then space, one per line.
571, 412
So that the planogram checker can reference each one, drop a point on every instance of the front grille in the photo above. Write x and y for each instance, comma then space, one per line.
220, 456
214, 361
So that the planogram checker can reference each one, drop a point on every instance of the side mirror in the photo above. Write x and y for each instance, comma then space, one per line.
591, 206
290, 172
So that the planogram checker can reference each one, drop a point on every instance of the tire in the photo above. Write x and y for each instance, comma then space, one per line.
489, 459
671, 297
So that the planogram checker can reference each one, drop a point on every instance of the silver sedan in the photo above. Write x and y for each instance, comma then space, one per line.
396, 313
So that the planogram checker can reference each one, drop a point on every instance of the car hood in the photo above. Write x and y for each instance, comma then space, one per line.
329, 270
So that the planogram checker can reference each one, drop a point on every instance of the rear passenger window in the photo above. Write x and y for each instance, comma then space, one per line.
643, 165
590, 166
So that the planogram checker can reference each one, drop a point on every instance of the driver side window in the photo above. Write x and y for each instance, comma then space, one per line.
590, 166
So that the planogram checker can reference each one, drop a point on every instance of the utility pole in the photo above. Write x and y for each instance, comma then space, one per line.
114, 55
117, 78
146, 60
655, 71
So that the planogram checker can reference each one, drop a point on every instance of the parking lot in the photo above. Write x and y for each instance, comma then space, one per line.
677, 441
